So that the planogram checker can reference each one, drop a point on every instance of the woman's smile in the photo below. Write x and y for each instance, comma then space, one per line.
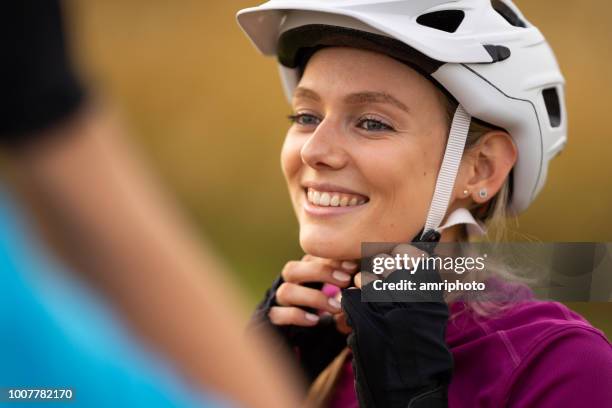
327, 199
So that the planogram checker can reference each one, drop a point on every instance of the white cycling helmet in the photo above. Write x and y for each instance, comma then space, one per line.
497, 65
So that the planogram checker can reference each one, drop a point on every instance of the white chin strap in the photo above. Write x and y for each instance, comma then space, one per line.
448, 171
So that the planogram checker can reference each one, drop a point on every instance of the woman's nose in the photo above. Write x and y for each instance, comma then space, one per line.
324, 148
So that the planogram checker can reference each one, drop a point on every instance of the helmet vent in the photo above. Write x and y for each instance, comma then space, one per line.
507, 13
497, 52
444, 20
553, 107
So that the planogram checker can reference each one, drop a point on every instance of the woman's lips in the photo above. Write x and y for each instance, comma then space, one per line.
319, 202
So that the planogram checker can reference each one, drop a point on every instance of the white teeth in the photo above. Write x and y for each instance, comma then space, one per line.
324, 200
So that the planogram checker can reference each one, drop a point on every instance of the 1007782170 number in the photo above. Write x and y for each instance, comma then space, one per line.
36, 393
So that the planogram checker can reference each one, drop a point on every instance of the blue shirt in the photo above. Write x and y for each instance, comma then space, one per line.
57, 333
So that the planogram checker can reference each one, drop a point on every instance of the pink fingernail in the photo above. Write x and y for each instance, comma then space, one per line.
334, 303
341, 276
312, 317
349, 264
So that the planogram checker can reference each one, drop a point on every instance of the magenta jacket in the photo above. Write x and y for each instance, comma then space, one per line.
535, 354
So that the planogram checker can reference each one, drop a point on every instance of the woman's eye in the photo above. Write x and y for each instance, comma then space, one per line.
373, 125
304, 119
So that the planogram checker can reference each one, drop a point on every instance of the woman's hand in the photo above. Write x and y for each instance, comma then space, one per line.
400, 355
364, 278
292, 296
315, 339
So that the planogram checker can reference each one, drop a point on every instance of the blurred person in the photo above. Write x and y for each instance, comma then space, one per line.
417, 121
121, 261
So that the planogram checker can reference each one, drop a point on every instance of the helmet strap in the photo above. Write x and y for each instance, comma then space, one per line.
448, 170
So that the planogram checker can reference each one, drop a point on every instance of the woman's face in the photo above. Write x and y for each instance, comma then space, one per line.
362, 155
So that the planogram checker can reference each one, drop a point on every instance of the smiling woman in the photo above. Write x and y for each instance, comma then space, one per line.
370, 131
401, 122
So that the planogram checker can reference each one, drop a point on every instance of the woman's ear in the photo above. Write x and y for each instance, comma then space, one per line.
486, 167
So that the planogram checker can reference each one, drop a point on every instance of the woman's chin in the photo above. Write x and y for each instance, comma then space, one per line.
330, 247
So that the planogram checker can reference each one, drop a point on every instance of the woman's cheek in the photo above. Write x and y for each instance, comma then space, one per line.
399, 201
291, 161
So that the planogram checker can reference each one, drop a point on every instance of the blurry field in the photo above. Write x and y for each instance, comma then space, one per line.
209, 114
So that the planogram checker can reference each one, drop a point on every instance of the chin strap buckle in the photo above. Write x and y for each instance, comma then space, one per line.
430, 236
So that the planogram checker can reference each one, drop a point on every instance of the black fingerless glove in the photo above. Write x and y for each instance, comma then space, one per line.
400, 355
39, 86
315, 347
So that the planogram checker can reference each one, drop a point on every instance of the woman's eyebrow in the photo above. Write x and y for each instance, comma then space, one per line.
375, 97
301, 92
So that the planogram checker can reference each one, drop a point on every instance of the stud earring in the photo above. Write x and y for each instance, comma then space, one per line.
465, 193
483, 193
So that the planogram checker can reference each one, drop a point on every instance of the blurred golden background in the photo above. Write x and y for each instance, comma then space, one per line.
209, 114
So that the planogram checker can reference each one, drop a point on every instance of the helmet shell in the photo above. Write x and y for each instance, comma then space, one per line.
496, 64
